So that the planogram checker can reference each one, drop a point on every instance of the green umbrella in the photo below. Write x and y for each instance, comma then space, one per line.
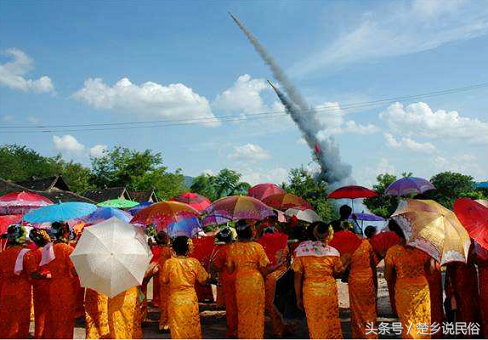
120, 203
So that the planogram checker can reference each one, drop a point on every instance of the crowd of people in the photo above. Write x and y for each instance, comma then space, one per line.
36, 273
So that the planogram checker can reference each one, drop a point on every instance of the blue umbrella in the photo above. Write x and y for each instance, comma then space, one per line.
366, 217
482, 185
60, 212
187, 226
102, 214
137, 208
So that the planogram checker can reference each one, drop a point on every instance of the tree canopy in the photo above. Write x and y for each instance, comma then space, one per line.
225, 183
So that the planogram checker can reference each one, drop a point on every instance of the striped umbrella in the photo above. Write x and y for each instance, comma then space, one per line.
195, 201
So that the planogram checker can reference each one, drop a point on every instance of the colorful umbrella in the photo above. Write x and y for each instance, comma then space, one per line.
60, 212
7, 220
474, 218
102, 214
214, 220
182, 224
346, 242
383, 241
21, 202
261, 191
196, 201
133, 211
111, 257
120, 203
409, 185
161, 210
306, 215
286, 201
366, 217
240, 207
429, 226
352, 192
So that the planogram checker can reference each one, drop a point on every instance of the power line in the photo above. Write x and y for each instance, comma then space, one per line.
228, 118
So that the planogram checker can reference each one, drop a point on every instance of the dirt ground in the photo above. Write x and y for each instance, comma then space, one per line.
214, 326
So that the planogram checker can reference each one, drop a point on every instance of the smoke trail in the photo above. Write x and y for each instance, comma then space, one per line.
334, 170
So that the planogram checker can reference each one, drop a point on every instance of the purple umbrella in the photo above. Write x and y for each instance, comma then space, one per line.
366, 217
409, 185
214, 220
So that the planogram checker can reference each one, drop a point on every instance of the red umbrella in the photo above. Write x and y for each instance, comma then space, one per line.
195, 201
286, 201
272, 244
7, 220
21, 202
352, 192
383, 241
474, 217
261, 191
346, 242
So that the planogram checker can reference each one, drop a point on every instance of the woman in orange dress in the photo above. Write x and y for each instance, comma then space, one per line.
60, 322
40, 278
164, 255
412, 296
180, 274
124, 314
228, 281
96, 315
15, 288
315, 264
362, 292
250, 263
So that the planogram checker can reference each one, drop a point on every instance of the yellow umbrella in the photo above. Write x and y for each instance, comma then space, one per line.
429, 226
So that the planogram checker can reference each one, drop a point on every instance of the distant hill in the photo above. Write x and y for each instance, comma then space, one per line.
188, 181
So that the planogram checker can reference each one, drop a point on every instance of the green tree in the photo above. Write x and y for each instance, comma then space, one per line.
226, 183
451, 186
204, 185
383, 205
76, 176
313, 190
136, 170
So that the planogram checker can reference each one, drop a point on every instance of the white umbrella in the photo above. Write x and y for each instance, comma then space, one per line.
307, 215
111, 257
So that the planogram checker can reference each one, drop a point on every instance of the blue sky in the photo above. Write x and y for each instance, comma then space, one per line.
102, 62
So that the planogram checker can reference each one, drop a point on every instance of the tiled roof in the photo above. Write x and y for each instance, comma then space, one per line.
47, 183
101, 195
143, 196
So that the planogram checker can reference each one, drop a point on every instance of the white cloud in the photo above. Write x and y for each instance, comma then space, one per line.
12, 74
255, 175
367, 175
249, 153
420, 120
33, 119
68, 144
8, 118
98, 151
407, 143
464, 163
400, 29
334, 118
173, 102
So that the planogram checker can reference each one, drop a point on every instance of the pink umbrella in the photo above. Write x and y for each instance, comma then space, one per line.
22, 202
261, 191
240, 207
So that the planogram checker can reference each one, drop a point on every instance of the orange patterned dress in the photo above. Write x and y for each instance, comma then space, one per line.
362, 295
229, 287
15, 297
165, 254
412, 296
277, 323
96, 311
180, 274
40, 292
483, 276
60, 322
320, 295
124, 315
248, 258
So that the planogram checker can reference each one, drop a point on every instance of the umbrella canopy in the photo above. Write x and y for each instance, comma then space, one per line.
306, 215
182, 224
273, 243
409, 185
482, 185
214, 220
104, 213
383, 241
474, 218
20, 202
196, 201
429, 226
483, 202
111, 257
261, 191
286, 201
7, 220
352, 192
346, 242
366, 217
240, 207
60, 212
120, 203
161, 210
133, 211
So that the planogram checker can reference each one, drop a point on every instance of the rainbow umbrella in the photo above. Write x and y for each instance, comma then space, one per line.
286, 201
160, 211
240, 207
196, 201
261, 191
182, 224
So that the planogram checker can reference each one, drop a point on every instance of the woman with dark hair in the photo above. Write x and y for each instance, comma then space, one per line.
250, 263
60, 319
162, 239
412, 296
181, 273
35, 262
315, 265
15, 288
